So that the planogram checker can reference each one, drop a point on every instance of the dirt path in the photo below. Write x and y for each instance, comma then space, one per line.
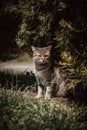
16, 66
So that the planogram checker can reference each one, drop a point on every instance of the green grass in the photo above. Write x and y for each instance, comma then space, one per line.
20, 112
16, 80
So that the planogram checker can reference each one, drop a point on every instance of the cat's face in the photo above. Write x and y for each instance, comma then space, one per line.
41, 55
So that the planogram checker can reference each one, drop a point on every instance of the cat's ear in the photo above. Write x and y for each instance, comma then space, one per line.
49, 47
33, 48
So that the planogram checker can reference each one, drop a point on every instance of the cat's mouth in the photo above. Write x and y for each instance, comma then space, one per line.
42, 62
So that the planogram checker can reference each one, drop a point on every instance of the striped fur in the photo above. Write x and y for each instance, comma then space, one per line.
49, 78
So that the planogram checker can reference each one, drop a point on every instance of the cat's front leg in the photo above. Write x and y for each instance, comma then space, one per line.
39, 95
48, 93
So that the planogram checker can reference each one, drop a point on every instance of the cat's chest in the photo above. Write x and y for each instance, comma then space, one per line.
42, 67
44, 73
44, 78
43, 70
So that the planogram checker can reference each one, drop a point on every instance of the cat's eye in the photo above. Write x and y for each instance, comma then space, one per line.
37, 55
46, 55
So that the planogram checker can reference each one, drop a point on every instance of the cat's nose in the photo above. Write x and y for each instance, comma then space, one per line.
42, 58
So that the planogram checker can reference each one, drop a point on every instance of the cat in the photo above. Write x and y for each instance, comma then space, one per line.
49, 78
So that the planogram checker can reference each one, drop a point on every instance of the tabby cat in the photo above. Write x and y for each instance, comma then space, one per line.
49, 78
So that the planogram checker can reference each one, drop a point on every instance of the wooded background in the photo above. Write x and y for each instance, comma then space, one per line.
62, 23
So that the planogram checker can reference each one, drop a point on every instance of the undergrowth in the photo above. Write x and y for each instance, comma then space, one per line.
19, 111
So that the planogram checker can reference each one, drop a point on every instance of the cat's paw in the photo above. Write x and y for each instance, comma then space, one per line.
38, 96
47, 97
48, 93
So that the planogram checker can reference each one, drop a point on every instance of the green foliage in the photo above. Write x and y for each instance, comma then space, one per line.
38, 20
20, 112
